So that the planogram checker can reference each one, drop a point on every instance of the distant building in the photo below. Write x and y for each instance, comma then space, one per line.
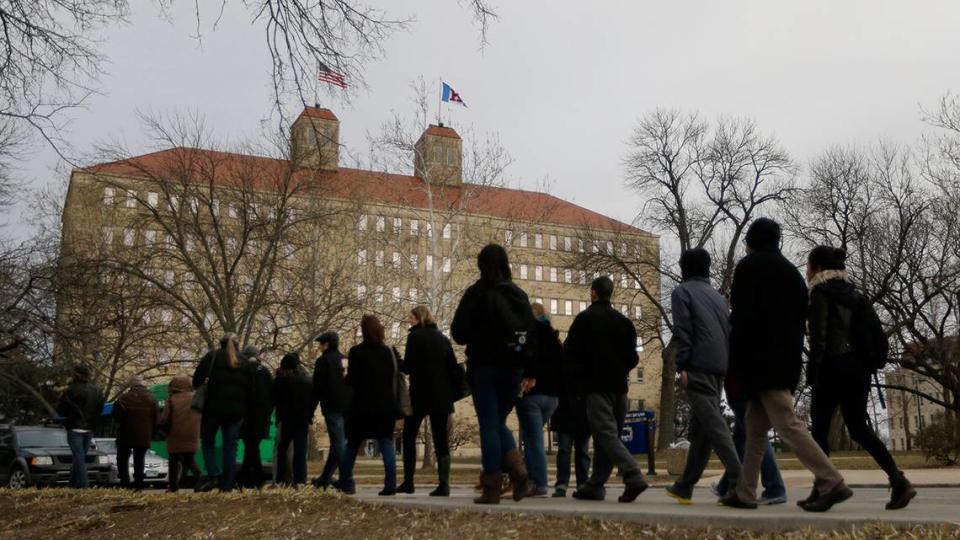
908, 413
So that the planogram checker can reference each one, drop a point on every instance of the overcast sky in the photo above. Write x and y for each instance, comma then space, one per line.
563, 83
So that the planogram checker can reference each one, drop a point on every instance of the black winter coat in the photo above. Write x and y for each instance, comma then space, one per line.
430, 362
81, 406
329, 387
830, 323
547, 367
601, 349
293, 391
475, 325
571, 414
371, 414
228, 389
768, 303
256, 424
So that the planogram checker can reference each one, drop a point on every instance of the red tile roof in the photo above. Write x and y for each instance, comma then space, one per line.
319, 112
356, 184
442, 131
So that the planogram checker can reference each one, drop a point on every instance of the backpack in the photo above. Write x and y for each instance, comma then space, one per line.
513, 328
869, 340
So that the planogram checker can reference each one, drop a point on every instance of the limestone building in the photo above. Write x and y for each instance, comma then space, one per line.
908, 413
280, 250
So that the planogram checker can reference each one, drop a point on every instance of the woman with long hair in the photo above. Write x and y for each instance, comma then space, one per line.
372, 411
836, 372
431, 364
495, 322
225, 405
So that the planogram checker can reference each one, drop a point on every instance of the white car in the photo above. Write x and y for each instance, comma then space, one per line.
156, 469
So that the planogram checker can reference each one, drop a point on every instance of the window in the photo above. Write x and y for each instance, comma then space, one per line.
395, 294
538, 241
553, 241
623, 249
429, 227
639, 344
381, 223
107, 236
429, 263
128, 237
568, 275
523, 239
595, 246
396, 260
414, 262
169, 278
361, 292
174, 203
624, 310
362, 257
553, 306
609, 247
447, 231
508, 237
583, 277
108, 196
413, 295
131, 198
152, 199
640, 369
637, 312
567, 243
378, 258
636, 284
397, 225
362, 223
523, 271
215, 207
538, 273
553, 274
395, 330
166, 317
149, 237
568, 307
451, 156
379, 294
583, 305
231, 210
623, 281
580, 246
438, 154
447, 264
414, 227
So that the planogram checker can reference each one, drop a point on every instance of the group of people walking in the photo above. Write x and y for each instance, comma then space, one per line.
751, 347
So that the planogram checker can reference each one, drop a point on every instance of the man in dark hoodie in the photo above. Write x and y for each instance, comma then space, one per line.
80, 406
293, 392
333, 395
769, 311
701, 330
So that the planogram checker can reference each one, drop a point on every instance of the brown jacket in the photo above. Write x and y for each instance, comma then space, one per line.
184, 429
136, 413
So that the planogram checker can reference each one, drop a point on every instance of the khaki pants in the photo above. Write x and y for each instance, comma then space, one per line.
774, 408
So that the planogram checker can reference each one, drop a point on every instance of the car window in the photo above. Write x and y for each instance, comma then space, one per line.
107, 447
6, 439
42, 438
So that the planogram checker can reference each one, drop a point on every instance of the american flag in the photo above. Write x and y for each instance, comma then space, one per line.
328, 75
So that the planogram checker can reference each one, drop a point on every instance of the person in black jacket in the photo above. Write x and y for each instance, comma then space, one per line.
293, 391
429, 361
371, 374
601, 348
333, 395
225, 406
81, 406
768, 300
540, 401
573, 434
256, 424
835, 372
495, 322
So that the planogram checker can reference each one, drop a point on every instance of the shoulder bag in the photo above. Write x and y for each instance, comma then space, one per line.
401, 393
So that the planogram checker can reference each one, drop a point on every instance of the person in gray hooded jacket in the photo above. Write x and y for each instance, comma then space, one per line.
701, 332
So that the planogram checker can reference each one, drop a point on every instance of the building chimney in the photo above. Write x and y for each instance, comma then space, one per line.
438, 156
315, 139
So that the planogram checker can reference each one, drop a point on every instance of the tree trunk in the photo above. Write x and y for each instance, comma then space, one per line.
668, 398
427, 445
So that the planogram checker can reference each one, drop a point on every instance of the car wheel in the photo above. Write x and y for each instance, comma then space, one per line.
18, 478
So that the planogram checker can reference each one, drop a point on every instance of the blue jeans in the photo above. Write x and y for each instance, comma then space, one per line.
209, 426
387, 451
338, 446
534, 411
495, 392
769, 471
568, 444
79, 444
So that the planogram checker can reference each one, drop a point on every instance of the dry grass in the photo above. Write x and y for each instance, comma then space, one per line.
56, 513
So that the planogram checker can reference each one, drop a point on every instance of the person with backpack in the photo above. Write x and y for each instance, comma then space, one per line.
768, 318
226, 387
333, 395
80, 406
540, 402
601, 347
431, 364
495, 322
371, 375
182, 426
847, 346
293, 393
701, 328
256, 422
137, 415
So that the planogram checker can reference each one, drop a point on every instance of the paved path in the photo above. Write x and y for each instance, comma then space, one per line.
932, 505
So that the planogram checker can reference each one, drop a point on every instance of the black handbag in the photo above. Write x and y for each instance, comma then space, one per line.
401, 392
461, 384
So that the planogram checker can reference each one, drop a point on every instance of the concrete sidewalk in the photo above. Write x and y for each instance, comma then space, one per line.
932, 506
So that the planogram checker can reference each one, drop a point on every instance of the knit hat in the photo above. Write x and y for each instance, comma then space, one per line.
290, 361
764, 235
250, 352
695, 263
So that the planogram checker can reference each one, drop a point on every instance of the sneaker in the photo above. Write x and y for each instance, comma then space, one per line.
766, 500
731, 500
715, 489
681, 498
632, 491
559, 493
590, 494
824, 502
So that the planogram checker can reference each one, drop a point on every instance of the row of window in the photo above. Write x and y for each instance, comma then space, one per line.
129, 237
413, 226
553, 275
130, 199
568, 243
396, 261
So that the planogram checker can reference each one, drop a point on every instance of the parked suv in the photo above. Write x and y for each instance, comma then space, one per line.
40, 456
155, 467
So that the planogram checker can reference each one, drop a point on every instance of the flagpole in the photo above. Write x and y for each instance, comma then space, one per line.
440, 101
316, 86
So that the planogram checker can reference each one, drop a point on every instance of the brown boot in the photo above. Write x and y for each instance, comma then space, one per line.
514, 466
491, 483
